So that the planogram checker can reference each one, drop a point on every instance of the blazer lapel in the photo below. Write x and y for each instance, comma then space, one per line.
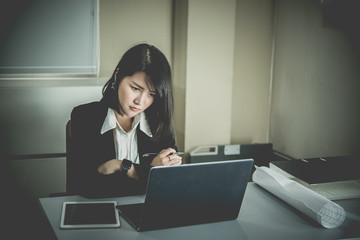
106, 140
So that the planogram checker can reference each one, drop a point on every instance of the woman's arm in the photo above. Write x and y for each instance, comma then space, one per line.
114, 165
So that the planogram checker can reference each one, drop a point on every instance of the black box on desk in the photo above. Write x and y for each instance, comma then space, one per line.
262, 153
320, 170
334, 178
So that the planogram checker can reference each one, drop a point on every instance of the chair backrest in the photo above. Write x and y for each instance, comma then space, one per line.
69, 168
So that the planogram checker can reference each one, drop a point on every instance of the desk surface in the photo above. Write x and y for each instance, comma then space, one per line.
262, 216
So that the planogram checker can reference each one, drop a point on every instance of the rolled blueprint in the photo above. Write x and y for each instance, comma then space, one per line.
312, 204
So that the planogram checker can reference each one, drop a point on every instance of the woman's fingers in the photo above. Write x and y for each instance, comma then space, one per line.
167, 157
166, 152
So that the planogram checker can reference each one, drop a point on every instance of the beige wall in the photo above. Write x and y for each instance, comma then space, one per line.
179, 68
124, 23
220, 53
315, 104
223, 74
209, 72
252, 71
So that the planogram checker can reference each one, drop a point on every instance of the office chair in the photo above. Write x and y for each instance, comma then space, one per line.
69, 162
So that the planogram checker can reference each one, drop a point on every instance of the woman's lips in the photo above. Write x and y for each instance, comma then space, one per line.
134, 109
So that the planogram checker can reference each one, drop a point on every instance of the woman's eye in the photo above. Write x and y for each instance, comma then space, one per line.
136, 89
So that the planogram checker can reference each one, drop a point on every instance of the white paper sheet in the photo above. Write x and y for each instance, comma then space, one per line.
317, 207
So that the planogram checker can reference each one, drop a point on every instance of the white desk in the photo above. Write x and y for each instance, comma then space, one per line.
262, 216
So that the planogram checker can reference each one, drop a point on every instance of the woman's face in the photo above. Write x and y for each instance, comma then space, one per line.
135, 95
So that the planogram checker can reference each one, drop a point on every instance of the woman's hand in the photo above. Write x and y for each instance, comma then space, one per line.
115, 165
110, 167
167, 158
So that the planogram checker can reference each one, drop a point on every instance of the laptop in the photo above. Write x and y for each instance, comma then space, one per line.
190, 194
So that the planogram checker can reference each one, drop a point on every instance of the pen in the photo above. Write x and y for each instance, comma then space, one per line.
151, 154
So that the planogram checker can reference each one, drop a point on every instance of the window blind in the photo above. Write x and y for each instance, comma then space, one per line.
50, 37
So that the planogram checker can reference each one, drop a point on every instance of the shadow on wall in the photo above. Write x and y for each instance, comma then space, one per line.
343, 15
20, 212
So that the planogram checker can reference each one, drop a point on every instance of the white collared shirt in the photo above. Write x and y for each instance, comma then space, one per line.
126, 142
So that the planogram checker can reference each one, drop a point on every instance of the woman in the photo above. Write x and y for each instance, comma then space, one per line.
109, 138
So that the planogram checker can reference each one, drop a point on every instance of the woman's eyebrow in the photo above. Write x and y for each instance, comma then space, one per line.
137, 85
141, 87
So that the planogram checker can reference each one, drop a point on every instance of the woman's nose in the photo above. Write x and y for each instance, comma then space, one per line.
140, 99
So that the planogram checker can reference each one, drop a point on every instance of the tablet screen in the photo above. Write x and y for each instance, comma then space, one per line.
99, 214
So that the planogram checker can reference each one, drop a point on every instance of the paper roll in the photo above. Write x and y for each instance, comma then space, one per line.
322, 210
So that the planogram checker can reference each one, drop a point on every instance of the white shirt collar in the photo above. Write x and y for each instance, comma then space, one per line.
110, 122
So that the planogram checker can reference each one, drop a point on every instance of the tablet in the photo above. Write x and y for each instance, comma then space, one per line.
89, 214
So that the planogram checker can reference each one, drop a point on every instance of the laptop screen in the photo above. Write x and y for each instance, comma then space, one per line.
194, 193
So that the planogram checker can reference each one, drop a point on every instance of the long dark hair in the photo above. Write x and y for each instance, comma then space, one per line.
150, 60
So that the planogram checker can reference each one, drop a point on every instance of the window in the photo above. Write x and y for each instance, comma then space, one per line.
49, 37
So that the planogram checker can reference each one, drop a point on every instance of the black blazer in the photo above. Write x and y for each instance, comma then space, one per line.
89, 149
